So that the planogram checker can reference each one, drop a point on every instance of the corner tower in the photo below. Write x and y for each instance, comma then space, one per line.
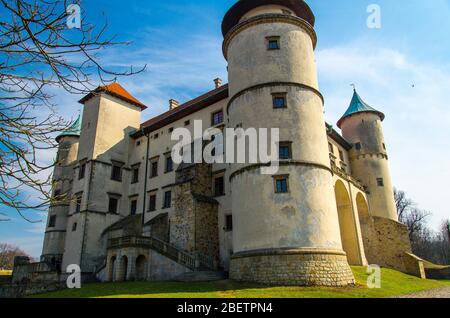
362, 126
286, 228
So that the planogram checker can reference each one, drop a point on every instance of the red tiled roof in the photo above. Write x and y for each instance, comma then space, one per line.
115, 90
187, 108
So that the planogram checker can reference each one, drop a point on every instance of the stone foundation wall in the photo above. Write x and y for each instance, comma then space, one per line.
293, 268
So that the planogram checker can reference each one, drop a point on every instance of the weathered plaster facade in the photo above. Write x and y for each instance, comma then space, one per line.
131, 214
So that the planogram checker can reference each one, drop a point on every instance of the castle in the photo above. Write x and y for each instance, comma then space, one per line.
124, 210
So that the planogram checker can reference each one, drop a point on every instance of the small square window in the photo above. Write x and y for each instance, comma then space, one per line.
279, 100
229, 223
169, 164
113, 205
285, 151
152, 203
170, 130
82, 171
219, 186
52, 221
133, 208
217, 118
167, 200
281, 184
358, 146
380, 182
116, 173
138, 143
187, 122
273, 43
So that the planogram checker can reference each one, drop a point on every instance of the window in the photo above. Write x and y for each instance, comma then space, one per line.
380, 182
219, 186
384, 146
187, 122
170, 130
167, 200
156, 136
82, 170
331, 147
113, 205
74, 227
154, 170
279, 100
78, 204
152, 203
217, 118
138, 143
281, 184
135, 175
285, 151
273, 43
133, 207
169, 164
52, 221
341, 155
229, 223
358, 146
116, 174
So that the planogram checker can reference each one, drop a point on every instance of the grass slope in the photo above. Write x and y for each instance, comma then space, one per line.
393, 283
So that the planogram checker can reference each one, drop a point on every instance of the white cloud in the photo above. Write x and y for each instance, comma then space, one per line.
414, 96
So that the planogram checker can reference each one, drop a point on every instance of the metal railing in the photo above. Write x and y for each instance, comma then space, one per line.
195, 261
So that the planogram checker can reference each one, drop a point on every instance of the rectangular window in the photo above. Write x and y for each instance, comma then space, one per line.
154, 170
341, 155
152, 203
169, 164
281, 184
167, 199
358, 146
273, 43
78, 204
187, 122
116, 173
113, 205
229, 223
156, 136
133, 208
82, 171
219, 186
285, 151
217, 118
331, 147
279, 100
52, 221
135, 175
380, 182
74, 227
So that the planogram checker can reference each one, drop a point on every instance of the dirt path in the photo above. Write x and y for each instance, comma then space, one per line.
434, 293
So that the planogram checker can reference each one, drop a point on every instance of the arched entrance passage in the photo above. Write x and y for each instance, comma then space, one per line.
112, 268
141, 267
347, 225
363, 209
122, 271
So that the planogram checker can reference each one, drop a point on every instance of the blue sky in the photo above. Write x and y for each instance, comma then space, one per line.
402, 69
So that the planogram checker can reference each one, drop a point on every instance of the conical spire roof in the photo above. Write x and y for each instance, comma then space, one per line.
73, 130
357, 105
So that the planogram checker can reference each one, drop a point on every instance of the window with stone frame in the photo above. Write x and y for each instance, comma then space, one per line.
273, 43
380, 182
285, 150
167, 200
217, 118
169, 163
229, 223
82, 170
116, 171
219, 186
133, 206
152, 202
113, 204
135, 174
281, 183
154, 167
279, 100
331, 147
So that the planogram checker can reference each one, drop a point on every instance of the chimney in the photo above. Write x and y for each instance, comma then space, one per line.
218, 82
173, 104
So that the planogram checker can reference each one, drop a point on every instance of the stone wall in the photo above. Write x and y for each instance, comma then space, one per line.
293, 268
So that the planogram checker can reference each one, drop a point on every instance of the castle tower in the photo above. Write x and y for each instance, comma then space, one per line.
55, 233
285, 226
102, 173
362, 126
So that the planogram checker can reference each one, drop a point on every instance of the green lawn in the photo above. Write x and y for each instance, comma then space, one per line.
5, 273
393, 283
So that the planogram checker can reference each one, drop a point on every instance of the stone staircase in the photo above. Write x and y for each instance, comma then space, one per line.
202, 276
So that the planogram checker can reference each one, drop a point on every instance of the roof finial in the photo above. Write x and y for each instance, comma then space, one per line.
354, 87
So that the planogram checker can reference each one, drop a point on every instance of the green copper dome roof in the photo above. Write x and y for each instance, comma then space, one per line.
73, 130
357, 105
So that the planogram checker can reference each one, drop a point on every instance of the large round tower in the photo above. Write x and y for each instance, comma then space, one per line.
55, 233
362, 126
285, 226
